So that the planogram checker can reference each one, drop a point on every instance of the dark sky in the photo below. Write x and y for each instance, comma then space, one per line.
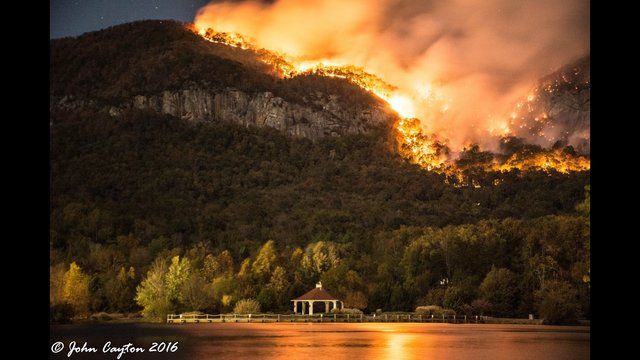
74, 17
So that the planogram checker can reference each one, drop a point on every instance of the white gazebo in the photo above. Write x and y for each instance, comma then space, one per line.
316, 295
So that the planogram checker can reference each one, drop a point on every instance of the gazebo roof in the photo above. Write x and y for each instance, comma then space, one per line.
317, 294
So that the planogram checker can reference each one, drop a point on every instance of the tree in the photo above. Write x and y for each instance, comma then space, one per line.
247, 306
585, 206
215, 266
435, 296
76, 290
267, 298
264, 262
279, 284
454, 297
557, 303
585, 209
196, 293
320, 257
178, 273
356, 300
152, 293
223, 290
56, 284
499, 289
120, 290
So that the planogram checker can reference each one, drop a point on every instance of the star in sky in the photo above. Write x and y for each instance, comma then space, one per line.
74, 17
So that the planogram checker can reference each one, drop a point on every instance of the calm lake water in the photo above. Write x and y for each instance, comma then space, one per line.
328, 341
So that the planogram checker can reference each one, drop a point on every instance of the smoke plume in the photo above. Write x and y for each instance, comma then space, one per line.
459, 65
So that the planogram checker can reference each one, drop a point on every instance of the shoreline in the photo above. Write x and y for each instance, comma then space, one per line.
258, 319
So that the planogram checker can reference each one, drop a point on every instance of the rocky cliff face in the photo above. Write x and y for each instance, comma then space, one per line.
322, 115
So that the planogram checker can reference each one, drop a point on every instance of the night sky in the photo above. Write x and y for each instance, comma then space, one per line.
74, 17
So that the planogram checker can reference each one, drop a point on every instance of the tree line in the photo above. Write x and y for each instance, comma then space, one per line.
131, 193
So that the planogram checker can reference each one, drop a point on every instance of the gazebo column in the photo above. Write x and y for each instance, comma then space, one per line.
295, 307
335, 304
326, 306
304, 307
310, 307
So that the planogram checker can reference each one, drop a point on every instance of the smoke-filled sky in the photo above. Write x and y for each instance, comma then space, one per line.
459, 64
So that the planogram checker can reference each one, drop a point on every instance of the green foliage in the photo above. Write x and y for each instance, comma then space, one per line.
585, 206
247, 306
557, 303
320, 257
177, 274
152, 292
264, 262
130, 192
267, 298
435, 296
429, 310
454, 297
499, 289
196, 293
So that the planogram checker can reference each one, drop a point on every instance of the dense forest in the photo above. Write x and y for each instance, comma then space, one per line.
153, 212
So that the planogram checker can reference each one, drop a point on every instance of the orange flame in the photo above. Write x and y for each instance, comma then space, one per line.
427, 151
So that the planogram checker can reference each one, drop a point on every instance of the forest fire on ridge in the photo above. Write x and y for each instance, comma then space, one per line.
427, 150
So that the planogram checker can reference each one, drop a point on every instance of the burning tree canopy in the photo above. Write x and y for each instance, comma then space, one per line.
426, 149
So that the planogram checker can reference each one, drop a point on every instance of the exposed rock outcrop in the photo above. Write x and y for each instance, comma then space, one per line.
323, 115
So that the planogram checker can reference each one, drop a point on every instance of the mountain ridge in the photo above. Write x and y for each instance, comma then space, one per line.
182, 75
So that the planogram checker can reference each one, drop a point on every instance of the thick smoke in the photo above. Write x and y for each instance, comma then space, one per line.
462, 63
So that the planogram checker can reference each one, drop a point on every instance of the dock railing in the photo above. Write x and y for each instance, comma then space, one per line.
324, 318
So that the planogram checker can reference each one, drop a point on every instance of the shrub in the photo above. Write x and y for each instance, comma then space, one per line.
247, 306
429, 310
349, 311
448, 312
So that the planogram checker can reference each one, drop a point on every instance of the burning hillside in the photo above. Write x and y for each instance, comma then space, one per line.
429, 150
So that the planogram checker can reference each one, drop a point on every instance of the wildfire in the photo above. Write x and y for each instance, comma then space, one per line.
425, 150
549, 160
422, 149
